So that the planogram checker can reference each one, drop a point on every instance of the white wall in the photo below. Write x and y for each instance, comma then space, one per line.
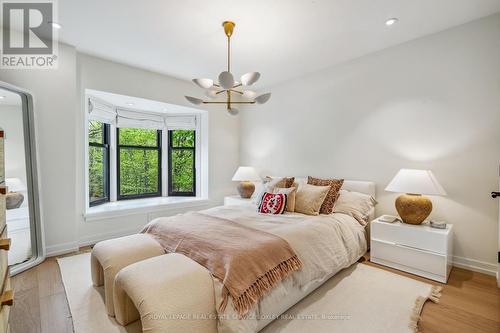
431, 103
55, 105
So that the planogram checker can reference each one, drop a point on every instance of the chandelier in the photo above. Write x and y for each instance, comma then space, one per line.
227, 85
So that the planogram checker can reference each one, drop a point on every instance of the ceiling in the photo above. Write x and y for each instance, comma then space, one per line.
282, 39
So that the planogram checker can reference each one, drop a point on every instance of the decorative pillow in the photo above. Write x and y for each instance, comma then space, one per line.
309, 198
333, 194
356, 204
290, 197
272, 203
286, 182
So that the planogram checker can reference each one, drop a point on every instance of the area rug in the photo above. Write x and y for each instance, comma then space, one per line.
358, 299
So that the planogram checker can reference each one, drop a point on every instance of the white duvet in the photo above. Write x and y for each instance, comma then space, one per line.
325, 244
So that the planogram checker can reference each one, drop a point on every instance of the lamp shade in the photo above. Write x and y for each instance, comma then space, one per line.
416, 182
249, 78
245, 173
263, 98
204, 83
15, 185
194, 100
226, 80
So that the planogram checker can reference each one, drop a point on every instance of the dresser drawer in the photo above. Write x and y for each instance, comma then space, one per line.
4, 266
2, 157
3, 190
418, 236
409, 258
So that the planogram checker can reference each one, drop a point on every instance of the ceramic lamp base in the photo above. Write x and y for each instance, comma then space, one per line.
413, 208
246, 189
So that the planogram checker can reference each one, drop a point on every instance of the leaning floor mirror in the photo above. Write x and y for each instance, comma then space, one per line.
21, 222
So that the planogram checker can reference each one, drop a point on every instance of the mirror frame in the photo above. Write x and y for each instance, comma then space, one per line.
30, 151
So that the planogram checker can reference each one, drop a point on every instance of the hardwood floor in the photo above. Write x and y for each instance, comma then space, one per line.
470, 302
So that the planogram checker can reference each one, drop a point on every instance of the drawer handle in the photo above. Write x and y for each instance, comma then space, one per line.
5, 244
7, 298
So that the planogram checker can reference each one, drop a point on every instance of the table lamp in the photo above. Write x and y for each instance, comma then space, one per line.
413, 207
245, 175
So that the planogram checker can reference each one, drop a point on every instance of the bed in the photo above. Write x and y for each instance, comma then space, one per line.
325, 245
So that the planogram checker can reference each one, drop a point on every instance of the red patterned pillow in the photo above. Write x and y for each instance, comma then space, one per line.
272, 203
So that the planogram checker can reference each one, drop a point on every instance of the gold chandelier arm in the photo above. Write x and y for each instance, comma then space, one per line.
237, 85
220, 92
236, 91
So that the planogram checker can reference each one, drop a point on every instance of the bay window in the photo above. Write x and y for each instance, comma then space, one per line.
134, 154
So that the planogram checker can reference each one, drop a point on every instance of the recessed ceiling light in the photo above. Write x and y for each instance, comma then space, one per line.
130, 104
391, 21
2, 97
55, 25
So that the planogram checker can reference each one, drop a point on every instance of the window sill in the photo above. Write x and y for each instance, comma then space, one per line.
137, 206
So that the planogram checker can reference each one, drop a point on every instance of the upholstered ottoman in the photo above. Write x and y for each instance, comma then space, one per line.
110, 256
168, 293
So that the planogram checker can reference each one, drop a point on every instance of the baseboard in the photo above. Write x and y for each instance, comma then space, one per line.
92, 239
475, 265
58, 249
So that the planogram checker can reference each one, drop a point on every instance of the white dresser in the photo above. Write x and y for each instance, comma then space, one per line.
417, 249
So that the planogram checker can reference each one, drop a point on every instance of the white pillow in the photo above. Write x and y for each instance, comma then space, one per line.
355, 204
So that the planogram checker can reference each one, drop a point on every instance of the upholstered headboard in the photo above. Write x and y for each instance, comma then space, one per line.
362, 187
350, 185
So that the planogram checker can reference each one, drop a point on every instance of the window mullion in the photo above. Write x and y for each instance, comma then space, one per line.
113, 192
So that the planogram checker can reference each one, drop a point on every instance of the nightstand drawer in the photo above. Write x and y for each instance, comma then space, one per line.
4, 266
5, 311
415, 236
410, 258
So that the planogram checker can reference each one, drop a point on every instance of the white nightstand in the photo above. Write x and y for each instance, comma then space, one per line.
417, 249
236, 200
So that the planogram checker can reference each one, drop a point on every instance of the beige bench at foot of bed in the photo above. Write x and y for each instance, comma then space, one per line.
110, 256
169, 293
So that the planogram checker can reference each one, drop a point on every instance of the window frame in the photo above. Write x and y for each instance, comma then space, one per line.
171, 148
106, 146
158, 148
